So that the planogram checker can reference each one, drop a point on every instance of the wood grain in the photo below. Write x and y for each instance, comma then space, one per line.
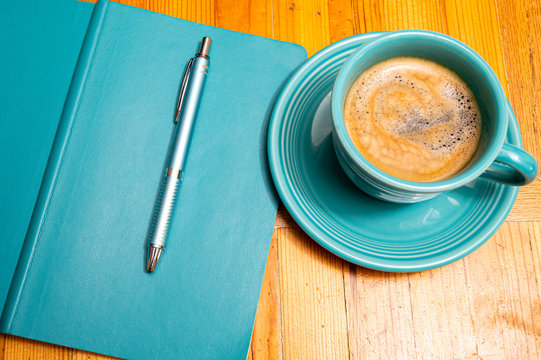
2, 346
342, 22
254, 19
484, 306
19, 348
520, 31
283, 218
311, 280
314, 305
312, 299
302, 22
379, 314
198, 11
388, 15
85, 355
267, 333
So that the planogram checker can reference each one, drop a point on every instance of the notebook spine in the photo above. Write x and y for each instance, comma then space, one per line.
53, 164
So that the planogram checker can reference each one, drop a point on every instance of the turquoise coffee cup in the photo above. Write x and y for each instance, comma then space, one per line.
494, 159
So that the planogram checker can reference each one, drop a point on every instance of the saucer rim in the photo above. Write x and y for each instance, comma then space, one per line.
311, 227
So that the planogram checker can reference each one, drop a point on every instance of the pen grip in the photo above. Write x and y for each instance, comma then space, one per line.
165, 207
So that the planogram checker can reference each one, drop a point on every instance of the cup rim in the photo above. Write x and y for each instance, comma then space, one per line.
339, 93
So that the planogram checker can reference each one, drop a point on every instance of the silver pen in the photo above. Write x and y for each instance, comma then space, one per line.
188, 102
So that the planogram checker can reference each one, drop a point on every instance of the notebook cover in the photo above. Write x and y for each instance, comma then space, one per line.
82, 282
40, 45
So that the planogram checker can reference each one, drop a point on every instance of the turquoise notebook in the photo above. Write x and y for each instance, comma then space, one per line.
80, 279
40, 46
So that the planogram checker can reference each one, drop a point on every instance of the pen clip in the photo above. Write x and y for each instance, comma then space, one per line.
183, 89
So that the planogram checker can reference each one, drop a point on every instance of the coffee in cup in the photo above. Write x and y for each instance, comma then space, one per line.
413, 119
493, 158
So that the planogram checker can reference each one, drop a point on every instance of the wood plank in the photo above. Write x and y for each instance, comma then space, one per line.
283, 218
252, 17
2, 346
198, 11
302, 22
484, 296
432, 330
342, 21
409, 315
523, 292
379, 314
484, 306
501, 300
520, 30
527, 207
476, 24
389, 15
520, 25
16, 348
314, 324
85, 355
267, 334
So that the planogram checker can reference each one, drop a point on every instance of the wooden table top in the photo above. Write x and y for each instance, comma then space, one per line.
314, 305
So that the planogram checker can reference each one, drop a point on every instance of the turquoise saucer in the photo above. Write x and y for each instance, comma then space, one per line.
349, 223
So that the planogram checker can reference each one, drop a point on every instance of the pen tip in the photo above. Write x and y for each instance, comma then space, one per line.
154, 253
205, 46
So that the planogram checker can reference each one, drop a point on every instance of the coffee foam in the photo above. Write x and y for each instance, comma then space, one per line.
413, 119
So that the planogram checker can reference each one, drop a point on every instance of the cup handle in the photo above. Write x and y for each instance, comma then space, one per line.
513, 166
